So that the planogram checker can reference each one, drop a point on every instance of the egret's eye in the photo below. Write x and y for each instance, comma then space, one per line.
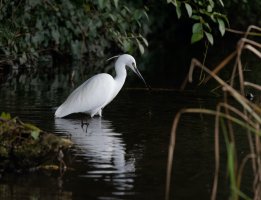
133, 64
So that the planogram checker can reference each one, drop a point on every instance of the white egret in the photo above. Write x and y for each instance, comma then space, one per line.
98, 91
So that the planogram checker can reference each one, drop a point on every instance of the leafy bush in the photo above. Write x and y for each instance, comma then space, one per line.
83, 27
206, 15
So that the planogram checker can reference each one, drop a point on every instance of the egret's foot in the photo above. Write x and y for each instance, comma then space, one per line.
84, 124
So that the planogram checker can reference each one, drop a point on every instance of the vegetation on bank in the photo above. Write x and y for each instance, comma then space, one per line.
85, 28
92, 29
97, 30
77, 28
24, 146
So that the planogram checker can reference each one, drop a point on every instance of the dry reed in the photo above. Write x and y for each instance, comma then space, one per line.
226, 116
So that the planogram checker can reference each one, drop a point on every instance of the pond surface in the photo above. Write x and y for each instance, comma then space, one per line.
122, 155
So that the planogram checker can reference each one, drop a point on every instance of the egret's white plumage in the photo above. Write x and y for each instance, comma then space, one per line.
95, 93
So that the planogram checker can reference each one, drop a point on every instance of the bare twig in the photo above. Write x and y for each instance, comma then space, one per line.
221, 65
247, 116
240, 98
253, 85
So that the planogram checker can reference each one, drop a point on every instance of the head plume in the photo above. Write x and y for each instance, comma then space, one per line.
113, 57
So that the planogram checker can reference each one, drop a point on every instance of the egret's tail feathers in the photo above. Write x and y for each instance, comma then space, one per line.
59, 113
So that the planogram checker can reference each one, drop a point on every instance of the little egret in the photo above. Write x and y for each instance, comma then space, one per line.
98, 91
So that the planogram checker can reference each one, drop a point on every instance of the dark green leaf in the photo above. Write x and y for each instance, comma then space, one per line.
112, 17
101, 3
209, 8
210, 38
144, 40
39, 24
221, 2
213, 18
141, 48
211, 3
207, 25
189, 9
174, 2
221, 26
137, 14
196, 37
116, 3
23, 58
146, 15
34, 3
178, 11
226, 19
126, 45
197, 27
196, 17
127, 9
55, 35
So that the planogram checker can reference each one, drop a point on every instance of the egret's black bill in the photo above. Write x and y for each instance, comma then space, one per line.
139, 75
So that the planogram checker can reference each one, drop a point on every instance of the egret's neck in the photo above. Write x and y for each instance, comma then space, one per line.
121, 74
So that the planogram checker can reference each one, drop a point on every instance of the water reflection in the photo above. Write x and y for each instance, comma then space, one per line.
125, 159
102, 148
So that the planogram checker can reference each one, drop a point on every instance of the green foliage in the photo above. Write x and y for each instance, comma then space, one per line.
197, 32
78, 28
205, 13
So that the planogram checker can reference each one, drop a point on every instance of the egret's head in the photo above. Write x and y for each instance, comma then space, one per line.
126, 60
129, 61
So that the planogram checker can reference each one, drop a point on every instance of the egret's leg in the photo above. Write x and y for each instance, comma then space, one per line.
93, 113
100, 112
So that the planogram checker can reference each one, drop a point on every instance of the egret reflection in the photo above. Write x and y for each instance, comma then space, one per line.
102, 147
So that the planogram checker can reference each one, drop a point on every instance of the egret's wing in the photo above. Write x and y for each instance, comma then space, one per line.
89, 96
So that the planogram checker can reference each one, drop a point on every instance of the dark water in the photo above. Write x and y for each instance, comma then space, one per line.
122, 155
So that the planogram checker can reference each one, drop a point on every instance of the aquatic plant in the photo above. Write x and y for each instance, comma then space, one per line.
229, 114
